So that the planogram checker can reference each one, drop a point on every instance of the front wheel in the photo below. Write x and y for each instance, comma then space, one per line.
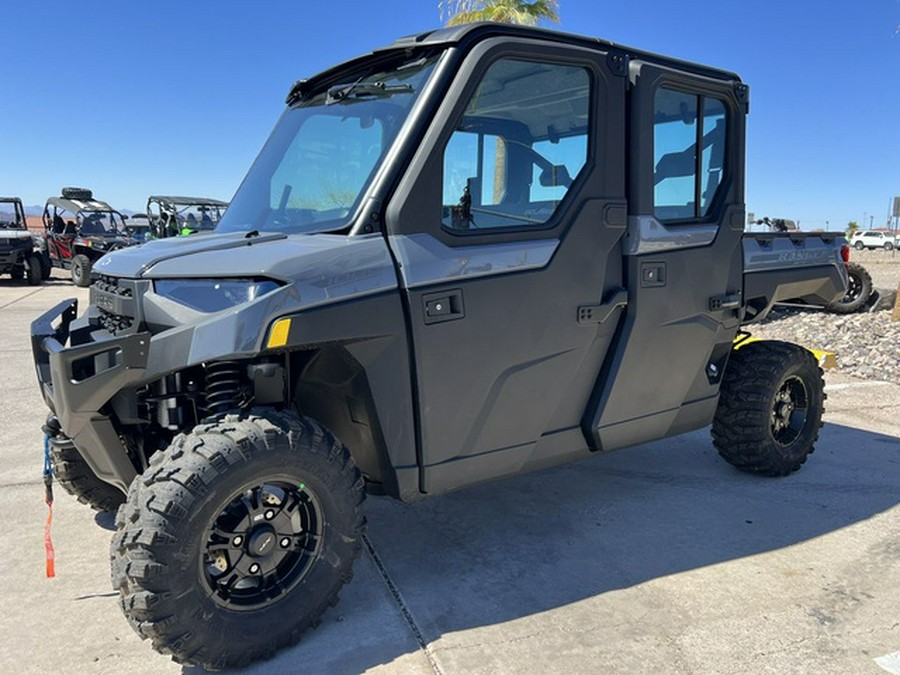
79, 480
81, 270
33, 270
237, 538
770, 408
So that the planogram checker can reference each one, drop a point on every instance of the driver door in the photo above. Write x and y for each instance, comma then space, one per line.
507, 230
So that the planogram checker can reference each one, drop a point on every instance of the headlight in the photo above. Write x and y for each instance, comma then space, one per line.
213, 295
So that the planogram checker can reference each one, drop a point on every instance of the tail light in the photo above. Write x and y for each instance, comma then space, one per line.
845, 254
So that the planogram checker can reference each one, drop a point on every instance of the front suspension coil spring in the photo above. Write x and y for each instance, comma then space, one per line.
223, 386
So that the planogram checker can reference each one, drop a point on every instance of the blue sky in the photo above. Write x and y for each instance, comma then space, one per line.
133, 98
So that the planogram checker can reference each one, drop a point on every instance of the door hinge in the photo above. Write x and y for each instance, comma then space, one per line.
727, 301
600, 313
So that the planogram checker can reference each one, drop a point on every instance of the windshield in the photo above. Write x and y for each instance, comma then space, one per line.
324, 151
10, 215
100, 223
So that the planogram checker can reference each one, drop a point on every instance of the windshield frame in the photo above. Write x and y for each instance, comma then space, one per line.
359, 216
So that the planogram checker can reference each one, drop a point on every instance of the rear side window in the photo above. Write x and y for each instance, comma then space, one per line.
518, 148
686, 181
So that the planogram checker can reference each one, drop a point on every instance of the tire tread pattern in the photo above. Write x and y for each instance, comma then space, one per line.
79, 480
164, 495
741, 430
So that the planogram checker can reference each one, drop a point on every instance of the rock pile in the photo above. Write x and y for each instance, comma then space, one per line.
867, 344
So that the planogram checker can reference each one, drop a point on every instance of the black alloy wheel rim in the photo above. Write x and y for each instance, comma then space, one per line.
854, 288
261, 545
790, 411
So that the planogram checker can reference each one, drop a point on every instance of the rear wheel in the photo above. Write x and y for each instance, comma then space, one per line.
81, 270
888, 246
770, 408
859, 246
859, 289
17, 272
237, 538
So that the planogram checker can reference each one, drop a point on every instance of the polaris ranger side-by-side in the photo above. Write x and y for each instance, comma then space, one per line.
476, 252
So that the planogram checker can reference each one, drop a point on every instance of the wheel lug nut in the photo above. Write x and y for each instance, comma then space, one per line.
270, 514
254, 568
237, 541
285, 542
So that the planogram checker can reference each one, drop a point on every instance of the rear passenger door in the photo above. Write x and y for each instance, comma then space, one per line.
683, 257
508, 228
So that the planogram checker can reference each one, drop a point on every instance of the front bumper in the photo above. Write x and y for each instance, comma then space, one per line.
78, 381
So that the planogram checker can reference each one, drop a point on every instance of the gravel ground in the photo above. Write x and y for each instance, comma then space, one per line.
867, 344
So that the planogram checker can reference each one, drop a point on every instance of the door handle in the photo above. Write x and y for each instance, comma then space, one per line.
443, 306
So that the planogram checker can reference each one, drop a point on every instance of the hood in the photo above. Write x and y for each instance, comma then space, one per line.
327, 257
14, 233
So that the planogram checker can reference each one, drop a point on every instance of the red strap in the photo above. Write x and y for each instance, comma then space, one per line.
48, 543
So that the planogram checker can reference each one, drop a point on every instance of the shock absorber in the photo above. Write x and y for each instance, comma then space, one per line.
223, 386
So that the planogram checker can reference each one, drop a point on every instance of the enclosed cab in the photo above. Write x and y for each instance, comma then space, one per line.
475, 252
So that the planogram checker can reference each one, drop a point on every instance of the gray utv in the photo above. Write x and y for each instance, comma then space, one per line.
476, 252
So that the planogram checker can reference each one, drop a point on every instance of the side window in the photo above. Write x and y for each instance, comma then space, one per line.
519, 146
685, 182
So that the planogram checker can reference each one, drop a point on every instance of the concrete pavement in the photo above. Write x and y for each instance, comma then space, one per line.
659, 558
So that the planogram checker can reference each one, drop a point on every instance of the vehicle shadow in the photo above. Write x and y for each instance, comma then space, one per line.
516, 548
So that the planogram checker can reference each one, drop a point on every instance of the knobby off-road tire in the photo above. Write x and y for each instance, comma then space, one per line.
859, 289
198, 570
34, 273
79, 480
46, 266
81, 270
770, 408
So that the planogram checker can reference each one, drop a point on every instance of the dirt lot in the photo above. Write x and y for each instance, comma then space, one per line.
883, 266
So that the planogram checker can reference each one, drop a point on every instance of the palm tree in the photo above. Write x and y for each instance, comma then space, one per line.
501, 11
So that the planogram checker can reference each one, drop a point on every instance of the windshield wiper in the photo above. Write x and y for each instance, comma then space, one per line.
341, 92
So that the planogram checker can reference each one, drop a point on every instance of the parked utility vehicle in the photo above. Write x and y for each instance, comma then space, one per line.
20, 257
176, 216
476, 252
79, 230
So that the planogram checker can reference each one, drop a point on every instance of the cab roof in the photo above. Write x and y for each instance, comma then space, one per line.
468, 34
